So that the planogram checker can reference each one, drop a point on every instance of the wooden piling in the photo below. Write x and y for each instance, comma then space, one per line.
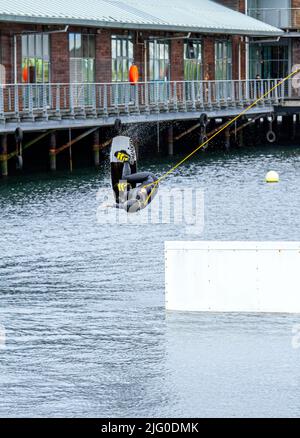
241, 138
296, 125
158, 136
3, 156
171, 141
96, 148
52, 151
227, 138
70, 151
293, 126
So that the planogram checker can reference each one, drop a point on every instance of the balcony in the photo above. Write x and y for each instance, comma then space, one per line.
83, 104
284, 18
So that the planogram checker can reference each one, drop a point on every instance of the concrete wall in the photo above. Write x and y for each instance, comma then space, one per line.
232, 276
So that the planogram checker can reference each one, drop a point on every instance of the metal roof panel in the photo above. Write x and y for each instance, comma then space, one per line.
196, 15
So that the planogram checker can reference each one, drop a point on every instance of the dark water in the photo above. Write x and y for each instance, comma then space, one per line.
83, 303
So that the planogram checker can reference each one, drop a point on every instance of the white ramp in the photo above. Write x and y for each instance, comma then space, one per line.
233, 276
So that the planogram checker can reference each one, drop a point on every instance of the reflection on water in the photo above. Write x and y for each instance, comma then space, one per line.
83, 304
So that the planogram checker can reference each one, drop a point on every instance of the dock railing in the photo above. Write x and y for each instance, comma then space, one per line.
56, 101
284, 18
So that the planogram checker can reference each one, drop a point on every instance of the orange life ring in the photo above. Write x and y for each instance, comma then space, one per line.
133, 74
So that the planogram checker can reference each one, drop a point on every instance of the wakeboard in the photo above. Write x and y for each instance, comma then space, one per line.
122, 149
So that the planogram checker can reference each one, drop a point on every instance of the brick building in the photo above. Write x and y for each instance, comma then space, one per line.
275, 57
36, 47
64, 65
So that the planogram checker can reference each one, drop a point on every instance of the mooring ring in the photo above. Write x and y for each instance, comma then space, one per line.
271, 136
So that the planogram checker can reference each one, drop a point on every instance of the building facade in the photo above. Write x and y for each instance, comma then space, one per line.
45, 53
276, 57
66, 67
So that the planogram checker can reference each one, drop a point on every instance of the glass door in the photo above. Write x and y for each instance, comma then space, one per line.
223, 70
159, 70
82, 68
35, 69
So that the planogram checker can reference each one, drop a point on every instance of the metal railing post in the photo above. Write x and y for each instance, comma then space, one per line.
209, 100
105, 108
217, 85
16, 100
241, 103
115, 97
147, 106
201, 95
269, 97
156, 93
193, 96
71, 97
261, 92
57, 97
276, 94
126, 96
1, 102
137, 97
184, 99
255, 89
45, 102
30, 100
145, 97
166, 96
247, 90
233, 103
94, 98
175, 97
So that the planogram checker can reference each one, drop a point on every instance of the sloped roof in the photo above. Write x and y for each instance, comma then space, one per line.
203, 16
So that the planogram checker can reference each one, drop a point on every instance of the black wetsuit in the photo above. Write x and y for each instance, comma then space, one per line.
135, 199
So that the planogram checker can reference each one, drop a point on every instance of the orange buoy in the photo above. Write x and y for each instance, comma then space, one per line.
25, 74
133, 74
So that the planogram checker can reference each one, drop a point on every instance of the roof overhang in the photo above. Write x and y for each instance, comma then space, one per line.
136, 26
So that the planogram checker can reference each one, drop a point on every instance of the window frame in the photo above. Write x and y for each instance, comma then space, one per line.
194, 71
31, 59
223, 63
262, 66
82, 57
122, 57
157, 49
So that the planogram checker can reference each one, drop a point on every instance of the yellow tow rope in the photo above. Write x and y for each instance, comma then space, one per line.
216, 134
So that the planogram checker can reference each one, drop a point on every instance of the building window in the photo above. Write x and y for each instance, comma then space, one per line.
82, 58
1, 48
2, 68
193, 61
159, 61
223, 60
269, 61
35, 59
122, 58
